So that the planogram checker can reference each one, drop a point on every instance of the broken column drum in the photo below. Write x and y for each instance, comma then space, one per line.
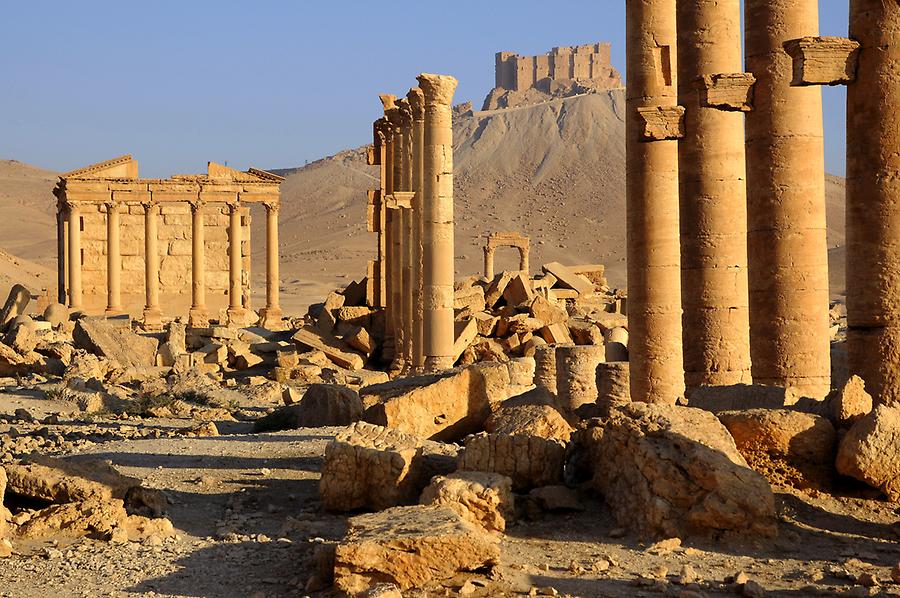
652, 127
873, 199
713, 200
545, 367
576, 375
787, 251
437, 237
612, 385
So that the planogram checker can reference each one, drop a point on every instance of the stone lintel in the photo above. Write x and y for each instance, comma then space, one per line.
259, 197
823, 60
92, 197
216, 196
727, 91
172, 187
131, 196
662, 123
89, 186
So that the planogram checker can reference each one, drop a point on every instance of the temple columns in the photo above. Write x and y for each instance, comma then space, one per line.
271, 313
873, 200
235, 305
152, 311
406, 235
74, 256
654, 267
417, 150
62, 265
787, 251
712, 189
198, 315
437, 231
113, 261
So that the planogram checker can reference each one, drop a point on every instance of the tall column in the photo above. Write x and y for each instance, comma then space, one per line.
713, 200
62, 262
113, 260
788, 256
437, 233
235, 306
406, 282
74, 256
873, 200
395, 277
417, 154
389, 347
271, 313
654, 269
152, 310
198, 315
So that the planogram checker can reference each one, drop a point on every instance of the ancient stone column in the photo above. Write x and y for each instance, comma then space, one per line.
873, 199
654, 268
405, 234
576, 375
488, 263
113, 260
390, 347
271, 313
545, 368
713, 199
437, 232
417, 152
788, 257
62, 261
74, 256
235, 305
612, 385
152, 310
198, 315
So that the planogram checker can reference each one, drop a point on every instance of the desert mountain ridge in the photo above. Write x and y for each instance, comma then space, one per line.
554, 171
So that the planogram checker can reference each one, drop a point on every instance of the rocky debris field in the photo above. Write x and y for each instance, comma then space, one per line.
247, 462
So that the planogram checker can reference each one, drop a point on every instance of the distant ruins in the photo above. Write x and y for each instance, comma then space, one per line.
562, 72
126, 243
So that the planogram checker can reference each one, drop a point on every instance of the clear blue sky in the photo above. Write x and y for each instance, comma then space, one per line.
266, 84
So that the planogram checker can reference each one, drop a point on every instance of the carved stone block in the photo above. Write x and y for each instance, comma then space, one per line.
823, 60
662, 123
727, 91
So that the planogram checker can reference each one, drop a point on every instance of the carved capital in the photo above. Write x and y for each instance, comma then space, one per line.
272, 206
196, 203
388, 100
416, 99
661, 123
112, 206
233, 205
731, 92
437, 89
823, 60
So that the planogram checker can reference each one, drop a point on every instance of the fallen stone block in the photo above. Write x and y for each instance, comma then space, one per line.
485, 499
869, 452
788, 447
585, 332
546, 311
469, 298
567, 278
616, 342
56, 314
544, 421
360, 340
556, 498
672, 471
322, 405
593, 272
518, 291
466, 333
410, 547
101, 338
738, 397
556, 334
373, 467
850, 403
494, 292
334, 349
63, 481
445, 407
485, 322
521, 371
528, 460
16, 302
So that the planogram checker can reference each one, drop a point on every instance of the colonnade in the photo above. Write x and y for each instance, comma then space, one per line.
412, 212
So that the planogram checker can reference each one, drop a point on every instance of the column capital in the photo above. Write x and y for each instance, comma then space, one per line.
196, 203
149, 203
272, 205
405, 114
233, 205
394, 119
416, 99
112, 205
388, 100
437, 89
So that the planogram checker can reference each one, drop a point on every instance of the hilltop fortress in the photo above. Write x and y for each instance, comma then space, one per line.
562, 72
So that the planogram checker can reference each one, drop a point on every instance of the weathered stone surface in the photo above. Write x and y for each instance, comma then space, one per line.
410, 547
576, 375
673, 471
21, 336
613, 388
823, 60
121, 345
18, 299
727, 91
470, 297
373, 467
547, 312
93, 517
56, 314
567, 278
529, 420
519, 290
661, 123
63, 481
870, 452
440, 407
850, 403
741, 396
321, 405
788, 447
521, 371
528, 460
556, 498
336, 350
485, 499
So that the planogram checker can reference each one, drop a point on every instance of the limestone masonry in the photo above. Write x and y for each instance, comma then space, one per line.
518, 73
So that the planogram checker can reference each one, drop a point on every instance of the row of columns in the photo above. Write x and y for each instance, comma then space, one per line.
727, 254
152, 311
413, 212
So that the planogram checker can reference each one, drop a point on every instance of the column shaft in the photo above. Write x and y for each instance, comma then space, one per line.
235, 306
272, 311
417, 156
873, 200
152, 311
62, 263
113, 261
437, 238
74, 256
787, 251
198, 314
713, 200
654, 269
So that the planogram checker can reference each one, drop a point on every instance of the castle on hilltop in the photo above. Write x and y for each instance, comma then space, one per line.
563, 64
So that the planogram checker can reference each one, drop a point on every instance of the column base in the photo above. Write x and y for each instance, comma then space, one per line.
435, 364
198, 317
270, 318
396, 368
237, 317
114, 311
152, 318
